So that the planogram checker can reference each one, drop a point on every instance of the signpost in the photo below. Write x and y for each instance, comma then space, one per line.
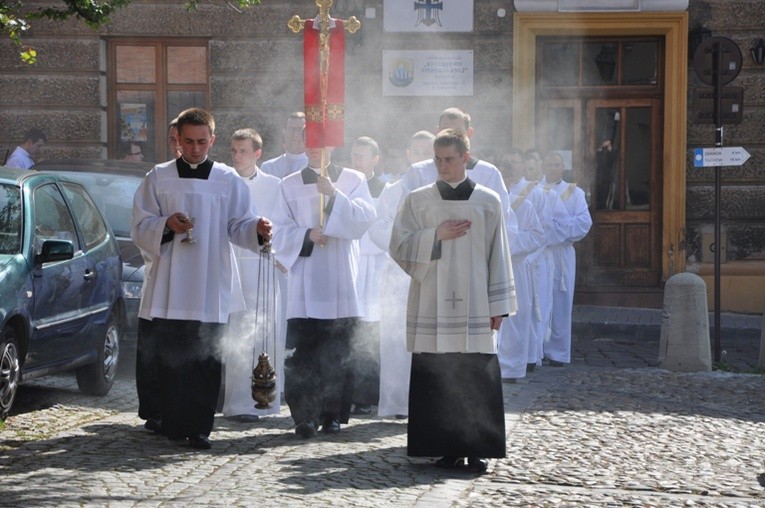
725, 156
717, 62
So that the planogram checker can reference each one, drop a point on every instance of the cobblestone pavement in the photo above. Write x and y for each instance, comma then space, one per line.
603, 431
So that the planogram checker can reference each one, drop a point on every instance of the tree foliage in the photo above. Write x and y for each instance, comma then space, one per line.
15, 19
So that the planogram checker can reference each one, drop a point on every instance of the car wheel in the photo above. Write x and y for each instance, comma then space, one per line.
9, 370
98, 378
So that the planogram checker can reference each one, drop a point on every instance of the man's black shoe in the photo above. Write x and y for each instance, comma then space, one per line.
530, 367
555, 363
306, 430
331, 427
450, 462
477, 464
362, 409
154, 425
199, 442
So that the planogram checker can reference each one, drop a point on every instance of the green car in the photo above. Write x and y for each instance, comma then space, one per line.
61, 302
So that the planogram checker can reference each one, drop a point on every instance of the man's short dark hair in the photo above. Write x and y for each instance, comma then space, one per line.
34, 135
196, 116
452, 137
371, 143
422, 135
252, 135
533, 153
455, 114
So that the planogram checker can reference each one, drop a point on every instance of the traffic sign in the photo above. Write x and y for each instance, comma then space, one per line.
728, 66
731, 105
723, 156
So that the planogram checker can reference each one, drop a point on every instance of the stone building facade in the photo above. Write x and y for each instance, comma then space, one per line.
252, 67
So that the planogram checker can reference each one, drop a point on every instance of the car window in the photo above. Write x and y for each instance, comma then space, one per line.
91, 224
52, 218
113, 193
10, 219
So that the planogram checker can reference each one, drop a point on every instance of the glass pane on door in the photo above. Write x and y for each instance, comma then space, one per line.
637, 164
623, 158
599, 64
608, 142
640, 63
560, 64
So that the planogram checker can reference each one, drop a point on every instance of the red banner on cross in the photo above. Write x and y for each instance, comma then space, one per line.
324, 87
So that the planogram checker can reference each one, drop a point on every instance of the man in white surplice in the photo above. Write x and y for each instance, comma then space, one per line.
323, 305
515, 336
395, 360
191, 287
479, 171
365, 345
450, 237
294, 158
261, 327
558, 348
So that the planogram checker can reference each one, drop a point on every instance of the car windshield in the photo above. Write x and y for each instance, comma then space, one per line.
10, 219
113, 193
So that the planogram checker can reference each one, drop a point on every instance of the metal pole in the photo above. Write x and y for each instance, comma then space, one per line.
717, 66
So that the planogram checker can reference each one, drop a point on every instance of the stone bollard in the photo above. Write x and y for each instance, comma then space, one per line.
684, 344
761, 363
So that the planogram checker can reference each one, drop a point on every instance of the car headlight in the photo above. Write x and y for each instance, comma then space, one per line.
132, 289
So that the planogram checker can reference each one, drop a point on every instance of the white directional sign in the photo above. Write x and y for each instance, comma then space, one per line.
721, 156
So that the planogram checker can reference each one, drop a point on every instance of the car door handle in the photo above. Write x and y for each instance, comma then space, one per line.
89, 275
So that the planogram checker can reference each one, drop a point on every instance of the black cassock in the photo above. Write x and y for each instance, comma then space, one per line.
455, 406
455, 399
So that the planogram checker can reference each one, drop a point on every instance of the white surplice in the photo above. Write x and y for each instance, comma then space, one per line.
371, 265
555, 221
285, 164
323, 284
395, 360
452, 298
558, 347
479, 171
515, 336
205, 282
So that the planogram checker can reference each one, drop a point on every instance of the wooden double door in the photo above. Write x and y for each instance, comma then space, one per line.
613, 151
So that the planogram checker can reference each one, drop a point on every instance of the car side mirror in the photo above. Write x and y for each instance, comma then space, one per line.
55, 250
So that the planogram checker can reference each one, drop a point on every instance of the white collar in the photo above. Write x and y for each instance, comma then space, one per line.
194, 166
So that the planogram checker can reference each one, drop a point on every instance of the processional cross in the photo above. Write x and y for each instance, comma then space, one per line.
324, 80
